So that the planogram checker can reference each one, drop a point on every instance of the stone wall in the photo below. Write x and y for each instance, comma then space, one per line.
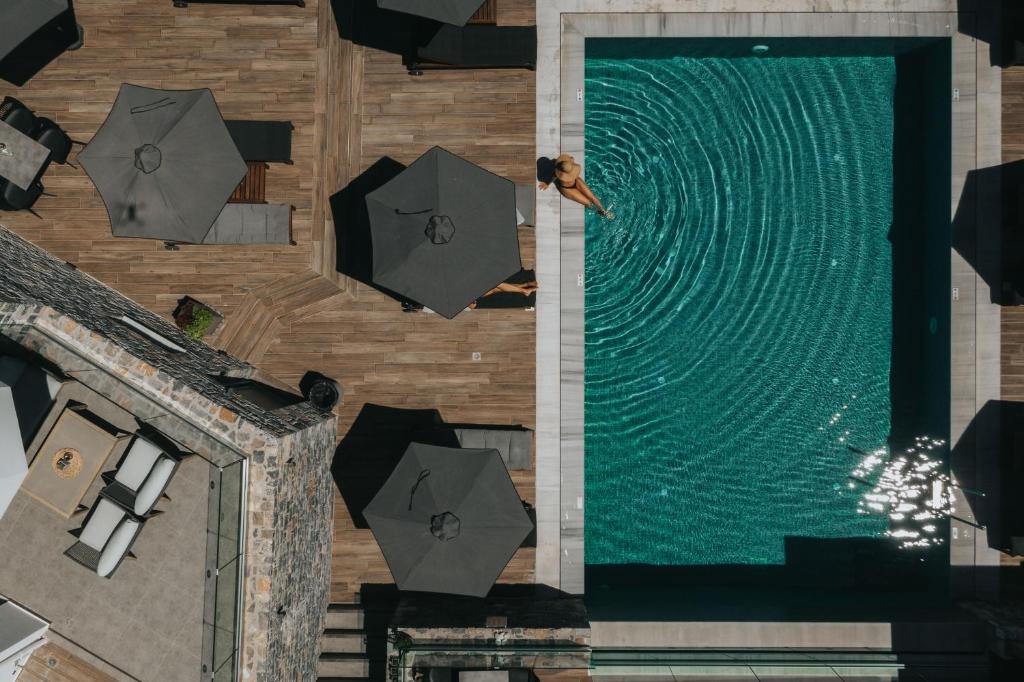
487, 648
515, 626
290, 584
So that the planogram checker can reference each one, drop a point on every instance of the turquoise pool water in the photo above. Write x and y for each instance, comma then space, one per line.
739, 308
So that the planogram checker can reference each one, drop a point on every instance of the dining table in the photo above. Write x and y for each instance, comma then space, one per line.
21, 157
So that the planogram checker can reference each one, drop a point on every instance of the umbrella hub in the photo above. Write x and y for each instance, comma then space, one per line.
440, 229
148, 158
445, 526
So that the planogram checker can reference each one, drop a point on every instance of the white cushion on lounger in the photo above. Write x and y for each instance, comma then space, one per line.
117, 547
150, 491
137, 464
102, 523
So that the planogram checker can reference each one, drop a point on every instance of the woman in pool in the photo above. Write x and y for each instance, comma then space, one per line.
571, 186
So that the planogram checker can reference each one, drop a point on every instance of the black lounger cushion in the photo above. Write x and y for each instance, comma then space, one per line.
262, 140
481, 46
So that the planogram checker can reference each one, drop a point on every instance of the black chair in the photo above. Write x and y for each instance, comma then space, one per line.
14, 198
477, 47
269, 141
53, 137
18, 116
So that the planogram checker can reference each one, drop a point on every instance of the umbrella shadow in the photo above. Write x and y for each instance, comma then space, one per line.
364, 23
999, 23
45, 45
987, 216
374, 445
353, 237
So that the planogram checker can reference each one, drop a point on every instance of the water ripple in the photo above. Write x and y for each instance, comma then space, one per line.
739, 298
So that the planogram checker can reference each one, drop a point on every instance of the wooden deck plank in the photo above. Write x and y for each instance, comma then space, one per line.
51, 663
1012, 332
249, 58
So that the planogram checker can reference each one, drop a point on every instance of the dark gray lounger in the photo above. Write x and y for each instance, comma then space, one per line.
477, 47
269, 141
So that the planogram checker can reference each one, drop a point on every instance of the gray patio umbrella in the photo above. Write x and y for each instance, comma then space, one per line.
443, 232
455, 12
164, 163
20, 19
448, 520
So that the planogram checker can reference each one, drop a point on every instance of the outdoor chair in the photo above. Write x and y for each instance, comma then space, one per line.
105, 538
513, 443
53, 137
18, 116
252, 224
14, 198
143, 474
499, 300
268, 141
477, 47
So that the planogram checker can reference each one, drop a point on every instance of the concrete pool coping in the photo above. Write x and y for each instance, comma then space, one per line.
563, 25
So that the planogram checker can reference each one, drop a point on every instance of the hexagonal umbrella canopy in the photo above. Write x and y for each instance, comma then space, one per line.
443, 232
456, 12
448, 520
164, 163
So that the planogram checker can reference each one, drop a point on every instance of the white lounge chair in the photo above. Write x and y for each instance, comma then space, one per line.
105, 539
144, 473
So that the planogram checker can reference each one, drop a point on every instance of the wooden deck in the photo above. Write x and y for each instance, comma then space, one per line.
51, 663
286, 308
1013, 317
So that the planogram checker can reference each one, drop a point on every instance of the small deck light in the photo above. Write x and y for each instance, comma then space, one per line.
760, 49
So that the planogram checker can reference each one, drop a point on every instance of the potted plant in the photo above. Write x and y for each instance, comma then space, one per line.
196, 319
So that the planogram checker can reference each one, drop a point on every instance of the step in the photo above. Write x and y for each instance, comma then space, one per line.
343, 665
344, 616
343, 640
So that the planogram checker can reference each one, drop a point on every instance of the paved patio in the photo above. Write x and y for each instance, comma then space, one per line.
149, 615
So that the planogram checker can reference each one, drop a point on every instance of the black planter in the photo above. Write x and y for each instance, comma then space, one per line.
323, 392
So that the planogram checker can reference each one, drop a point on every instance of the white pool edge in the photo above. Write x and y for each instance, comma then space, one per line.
562, 27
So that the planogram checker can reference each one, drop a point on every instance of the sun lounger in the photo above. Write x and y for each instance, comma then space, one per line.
477, 47
513, 443
143, 474
269, 141
503, 299
105, 538
252, 224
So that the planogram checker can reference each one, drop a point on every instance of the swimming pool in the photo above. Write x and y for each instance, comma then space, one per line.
765, 304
